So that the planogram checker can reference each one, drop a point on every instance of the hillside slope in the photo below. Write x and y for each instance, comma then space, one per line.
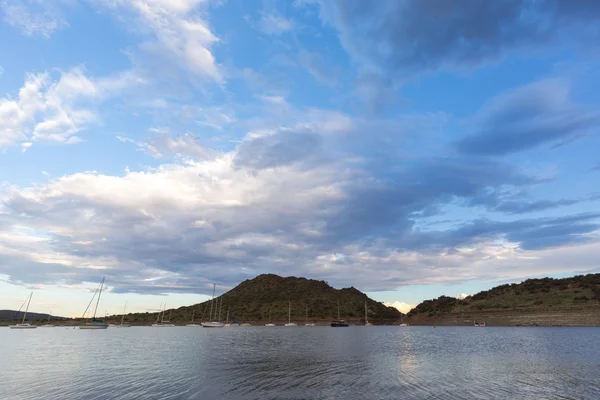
253, 299
13, 315
547, 301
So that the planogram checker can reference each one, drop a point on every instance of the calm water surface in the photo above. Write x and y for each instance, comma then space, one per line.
301, 363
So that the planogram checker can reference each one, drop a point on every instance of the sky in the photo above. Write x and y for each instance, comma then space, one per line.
410, 149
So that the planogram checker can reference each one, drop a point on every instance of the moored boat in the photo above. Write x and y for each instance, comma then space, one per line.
95, 323
23, 324
209, 323
290, 323
337, 323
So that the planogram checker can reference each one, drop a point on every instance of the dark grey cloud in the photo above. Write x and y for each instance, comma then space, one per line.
284, 147
537, 233
528, 117
412, 36
520, 203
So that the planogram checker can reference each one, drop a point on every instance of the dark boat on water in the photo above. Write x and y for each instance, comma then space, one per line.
338, 323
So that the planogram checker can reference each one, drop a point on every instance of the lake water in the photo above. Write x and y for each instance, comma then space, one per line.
301, 363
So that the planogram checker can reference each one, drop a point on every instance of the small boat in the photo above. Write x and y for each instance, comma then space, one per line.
270, 323
23, 324
338, 323
212, 324
367, 323
122, 325
246, 324
95, 323
48, 324
290, 323
161, 318
402, 323
232, 324
479, 324
306, 319
192, 324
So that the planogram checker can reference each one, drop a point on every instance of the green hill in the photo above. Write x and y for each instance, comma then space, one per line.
253, 299
546, 301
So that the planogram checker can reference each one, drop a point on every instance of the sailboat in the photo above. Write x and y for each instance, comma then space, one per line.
161, 318
306, 319
337, 323
290, 323
402, 323
192, 323
233, 323
367, 323
246, 323
47, 324
122, 325
270, 323
96, 323
157, 323
23, 324
209, 323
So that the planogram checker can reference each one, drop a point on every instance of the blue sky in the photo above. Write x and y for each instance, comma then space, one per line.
407, 148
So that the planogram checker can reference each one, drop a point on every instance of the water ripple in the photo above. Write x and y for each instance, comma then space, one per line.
296, 363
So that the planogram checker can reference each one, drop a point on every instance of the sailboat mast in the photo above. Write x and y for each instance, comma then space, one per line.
98, 301
227, 319
211, 302
366, 319
193, 312
162, 320
27, 309
338, 309
159, 311
306, 318
220, 308
290, 312
123, 316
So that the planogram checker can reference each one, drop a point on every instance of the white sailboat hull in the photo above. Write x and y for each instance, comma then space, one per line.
47, 326
22, 326
270, 325
213, 324
291, 324
309, 325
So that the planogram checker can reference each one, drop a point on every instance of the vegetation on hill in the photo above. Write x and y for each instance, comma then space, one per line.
253, 299
13, 315
532, 294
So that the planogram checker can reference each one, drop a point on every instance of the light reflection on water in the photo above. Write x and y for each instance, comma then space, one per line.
301, 363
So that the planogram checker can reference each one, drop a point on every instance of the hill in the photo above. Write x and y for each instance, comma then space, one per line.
13, 315
253, 299
547, 301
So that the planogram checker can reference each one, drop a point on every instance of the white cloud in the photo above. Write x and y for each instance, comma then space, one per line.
462, 296
178, 30
274, 24
48, 110
401, 306
35, 17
